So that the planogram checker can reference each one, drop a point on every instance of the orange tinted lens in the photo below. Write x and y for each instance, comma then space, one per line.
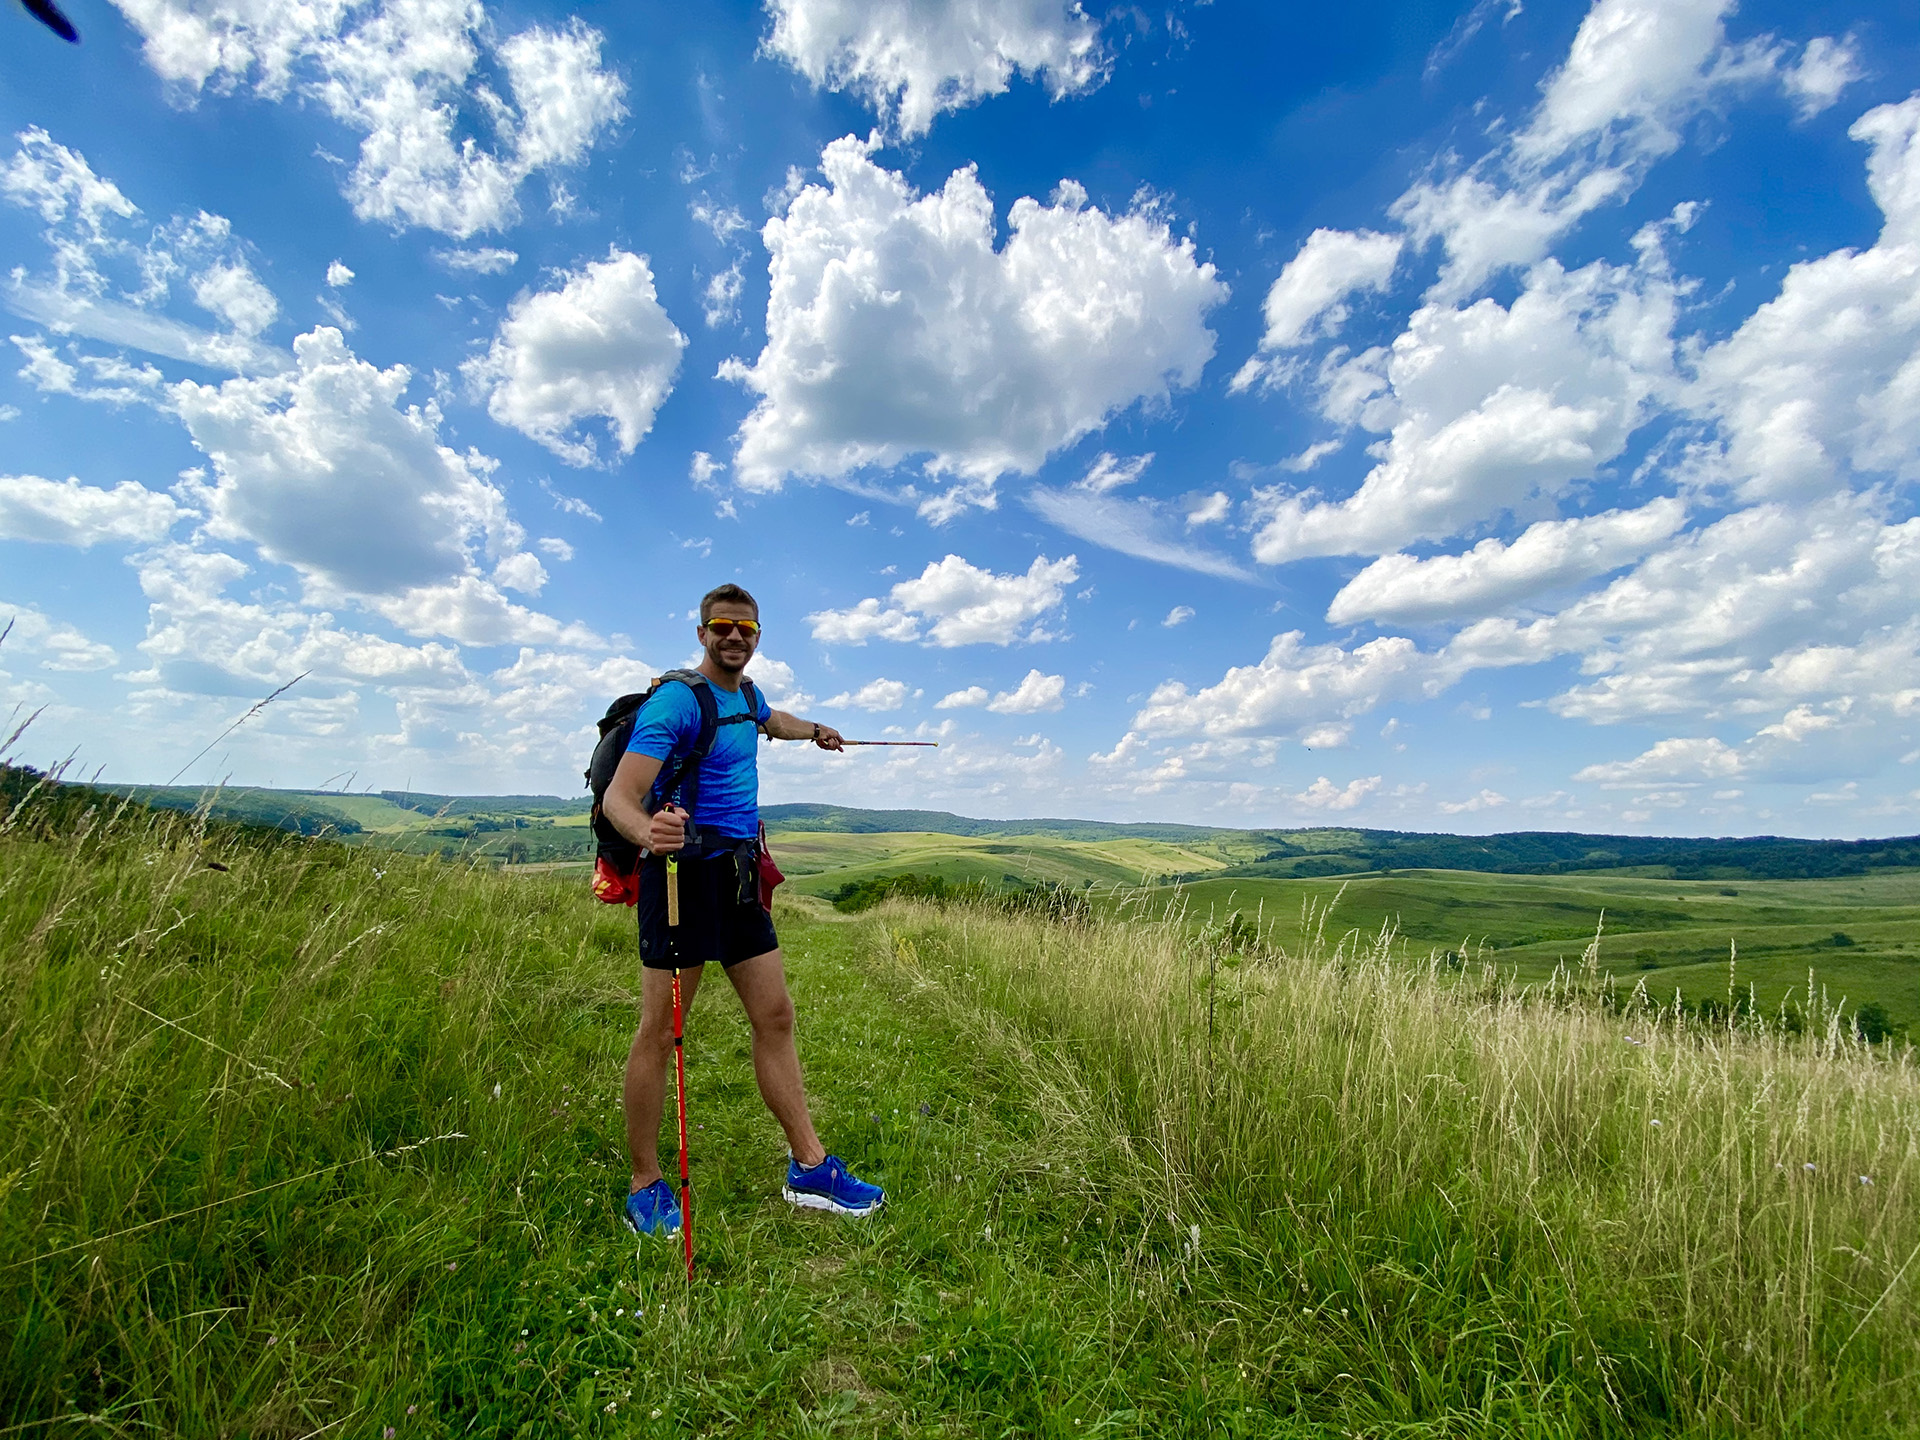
724, 628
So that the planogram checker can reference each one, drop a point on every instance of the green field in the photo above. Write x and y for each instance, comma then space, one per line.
303, 1139
820, 862
1673, 934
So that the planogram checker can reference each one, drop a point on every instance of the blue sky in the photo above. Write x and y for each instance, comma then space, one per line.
1486, 416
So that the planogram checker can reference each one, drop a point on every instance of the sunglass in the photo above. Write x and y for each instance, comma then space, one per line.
749, 629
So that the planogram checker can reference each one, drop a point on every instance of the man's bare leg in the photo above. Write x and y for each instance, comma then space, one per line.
762, 986
644, 1093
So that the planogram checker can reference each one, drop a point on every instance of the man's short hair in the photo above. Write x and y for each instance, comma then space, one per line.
726, 595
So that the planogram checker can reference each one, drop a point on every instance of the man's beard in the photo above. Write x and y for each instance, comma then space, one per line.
723, 661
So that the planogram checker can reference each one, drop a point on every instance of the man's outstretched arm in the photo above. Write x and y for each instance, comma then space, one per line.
782, 726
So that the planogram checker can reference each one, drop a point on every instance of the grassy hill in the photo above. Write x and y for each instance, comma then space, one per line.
514, 829
304, 1138
546, 827
1860, 938
821, 862
1529, 899
1316, 851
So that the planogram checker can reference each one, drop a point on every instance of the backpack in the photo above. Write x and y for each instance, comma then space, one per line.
616, 862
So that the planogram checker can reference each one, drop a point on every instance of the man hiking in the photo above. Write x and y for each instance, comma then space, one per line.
720, 914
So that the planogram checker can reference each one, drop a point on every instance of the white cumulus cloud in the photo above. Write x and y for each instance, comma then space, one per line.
66, 512
1035, 693
1309, 299
410, 76
1323, 794
1488, 409
1824, 379
600, 346
1294, 687
1770, 607
1682, 759
1481, 800
913, 59
875, 695
325, 471
1494, 574
895, 329
958, 603
967, 699
59, 645
720, 300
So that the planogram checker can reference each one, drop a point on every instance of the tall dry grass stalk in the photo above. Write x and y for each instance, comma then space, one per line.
1714, 1224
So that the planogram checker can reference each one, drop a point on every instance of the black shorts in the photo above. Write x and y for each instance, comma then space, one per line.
714, 924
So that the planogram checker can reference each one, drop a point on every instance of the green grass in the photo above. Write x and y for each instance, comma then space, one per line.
328, 1140
1675, 933
820, 862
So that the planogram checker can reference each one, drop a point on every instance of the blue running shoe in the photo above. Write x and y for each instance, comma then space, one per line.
831, 1186
654, 1210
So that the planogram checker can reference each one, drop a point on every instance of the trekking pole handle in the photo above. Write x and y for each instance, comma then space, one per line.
673, 892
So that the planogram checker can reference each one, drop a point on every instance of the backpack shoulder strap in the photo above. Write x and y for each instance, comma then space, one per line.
684, 773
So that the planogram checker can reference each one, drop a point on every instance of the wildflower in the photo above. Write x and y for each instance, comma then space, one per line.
610, 1408
453, 1264
1866, 1179
496, 1089
412, 1408
1808, 1167
987, 1233
618, 1313
387, 1433
273, 1339
1655, 1122
654, 1415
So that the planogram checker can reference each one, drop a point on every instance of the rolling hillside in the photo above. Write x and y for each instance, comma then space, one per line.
1674, 909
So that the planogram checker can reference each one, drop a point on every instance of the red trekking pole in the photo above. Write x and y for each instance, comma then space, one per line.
680, 1066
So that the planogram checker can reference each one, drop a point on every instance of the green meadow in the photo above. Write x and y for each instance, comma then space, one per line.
301, 1139
820, 862
1858, 936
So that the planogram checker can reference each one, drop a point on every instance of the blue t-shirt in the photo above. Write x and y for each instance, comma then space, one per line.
728, 802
